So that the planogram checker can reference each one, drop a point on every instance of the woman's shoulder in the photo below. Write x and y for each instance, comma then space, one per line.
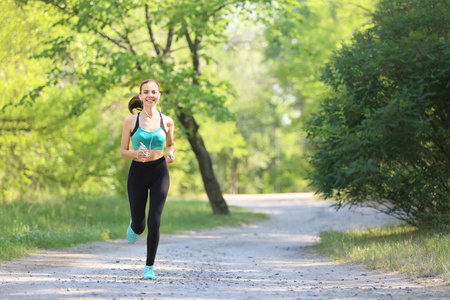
167, 120
131, 119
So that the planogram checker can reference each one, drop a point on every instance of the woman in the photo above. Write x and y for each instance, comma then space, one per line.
148, 130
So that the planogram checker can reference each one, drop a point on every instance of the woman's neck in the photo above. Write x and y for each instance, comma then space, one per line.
150, 112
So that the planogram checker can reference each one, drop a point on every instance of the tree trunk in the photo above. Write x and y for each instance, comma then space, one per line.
276, 162
212, 187
235, 177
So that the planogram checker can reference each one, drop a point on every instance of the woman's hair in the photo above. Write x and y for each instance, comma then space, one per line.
135, 102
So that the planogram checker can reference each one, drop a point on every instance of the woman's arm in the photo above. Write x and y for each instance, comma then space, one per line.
170, 145
125, 141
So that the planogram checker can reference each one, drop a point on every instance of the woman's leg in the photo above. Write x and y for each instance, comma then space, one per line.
137, 196
158, 195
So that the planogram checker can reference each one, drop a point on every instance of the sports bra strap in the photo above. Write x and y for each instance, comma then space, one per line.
137, 125
162, 123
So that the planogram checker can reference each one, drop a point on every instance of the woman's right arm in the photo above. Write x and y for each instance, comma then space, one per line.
125, 141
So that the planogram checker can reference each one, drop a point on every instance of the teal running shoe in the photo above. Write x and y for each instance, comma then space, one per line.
131, 236
148, 273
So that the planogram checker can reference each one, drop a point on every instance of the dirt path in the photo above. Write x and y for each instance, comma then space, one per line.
267, 260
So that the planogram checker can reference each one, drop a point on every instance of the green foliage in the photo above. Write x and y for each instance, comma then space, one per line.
63, 93
124, 52
277, 87
276, 84
74, 65
398, 248
262, 153
381, 137
301, 37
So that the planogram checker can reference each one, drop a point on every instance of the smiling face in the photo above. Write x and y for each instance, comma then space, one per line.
150, 94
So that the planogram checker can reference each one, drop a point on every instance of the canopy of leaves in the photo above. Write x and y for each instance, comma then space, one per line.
129, 41
301, 37
71, 70
381, 137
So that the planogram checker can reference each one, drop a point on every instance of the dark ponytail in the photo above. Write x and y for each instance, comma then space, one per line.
135, 102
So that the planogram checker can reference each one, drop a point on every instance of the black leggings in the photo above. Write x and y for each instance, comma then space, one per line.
153, 176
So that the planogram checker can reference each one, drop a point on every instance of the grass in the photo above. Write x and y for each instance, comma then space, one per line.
27, 227
399, 248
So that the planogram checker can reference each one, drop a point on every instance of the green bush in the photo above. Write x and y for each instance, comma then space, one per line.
382, 134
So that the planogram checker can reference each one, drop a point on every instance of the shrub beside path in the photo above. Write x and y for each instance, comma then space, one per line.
267, 260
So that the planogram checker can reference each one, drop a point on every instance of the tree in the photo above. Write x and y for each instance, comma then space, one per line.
273, 60
279, 86
248, 157
381, 136
34, 140
126, 38
301, 37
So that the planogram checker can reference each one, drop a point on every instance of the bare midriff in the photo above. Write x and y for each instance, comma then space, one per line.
155, 155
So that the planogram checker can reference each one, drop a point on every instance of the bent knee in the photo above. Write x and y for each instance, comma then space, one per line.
138, 228
140, 231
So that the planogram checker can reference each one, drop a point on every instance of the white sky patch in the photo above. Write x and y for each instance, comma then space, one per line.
286, 120
277, 89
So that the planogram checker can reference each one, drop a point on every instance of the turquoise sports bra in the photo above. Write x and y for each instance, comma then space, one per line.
151, 139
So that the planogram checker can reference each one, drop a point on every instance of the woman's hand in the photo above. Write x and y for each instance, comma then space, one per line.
143, 155
170, 157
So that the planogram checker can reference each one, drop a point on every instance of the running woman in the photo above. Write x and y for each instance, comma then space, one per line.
148, 131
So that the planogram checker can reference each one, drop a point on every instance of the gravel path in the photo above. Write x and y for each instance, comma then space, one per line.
268, 260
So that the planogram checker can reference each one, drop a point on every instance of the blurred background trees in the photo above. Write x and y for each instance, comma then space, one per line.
248, 74
65, 93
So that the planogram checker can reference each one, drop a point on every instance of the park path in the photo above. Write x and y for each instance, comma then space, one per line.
267, 260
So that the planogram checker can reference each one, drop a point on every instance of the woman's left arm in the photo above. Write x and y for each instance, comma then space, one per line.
170, 145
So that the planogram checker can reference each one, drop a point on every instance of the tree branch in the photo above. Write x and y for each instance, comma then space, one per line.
104, 35
216, 10
179, 48
169, 40
118, 43
196, 58
126, 39
117, 31
189, 41
193, 46
369, 12
150, 32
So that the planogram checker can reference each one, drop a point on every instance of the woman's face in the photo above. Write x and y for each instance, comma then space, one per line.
150, 94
